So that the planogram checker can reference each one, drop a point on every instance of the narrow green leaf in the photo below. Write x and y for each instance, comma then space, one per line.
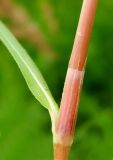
31, 73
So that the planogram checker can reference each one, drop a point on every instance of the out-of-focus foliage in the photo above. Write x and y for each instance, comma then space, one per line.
25, 131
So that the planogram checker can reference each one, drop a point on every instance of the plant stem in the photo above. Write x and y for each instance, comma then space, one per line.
61, 152
64, 131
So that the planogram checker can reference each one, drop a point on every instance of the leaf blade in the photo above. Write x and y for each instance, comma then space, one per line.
31, 73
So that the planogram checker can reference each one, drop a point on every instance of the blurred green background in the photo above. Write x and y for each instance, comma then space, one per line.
46, 28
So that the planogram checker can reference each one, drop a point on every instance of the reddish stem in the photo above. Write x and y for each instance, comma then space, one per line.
73, 83
61, 152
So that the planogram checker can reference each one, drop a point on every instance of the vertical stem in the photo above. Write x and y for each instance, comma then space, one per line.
61, 152
69, 104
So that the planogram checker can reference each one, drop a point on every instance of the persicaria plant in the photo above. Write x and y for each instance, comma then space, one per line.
63, 119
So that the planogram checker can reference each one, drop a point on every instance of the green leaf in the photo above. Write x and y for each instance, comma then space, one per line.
31, 73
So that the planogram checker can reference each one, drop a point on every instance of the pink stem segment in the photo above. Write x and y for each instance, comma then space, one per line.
69, 104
